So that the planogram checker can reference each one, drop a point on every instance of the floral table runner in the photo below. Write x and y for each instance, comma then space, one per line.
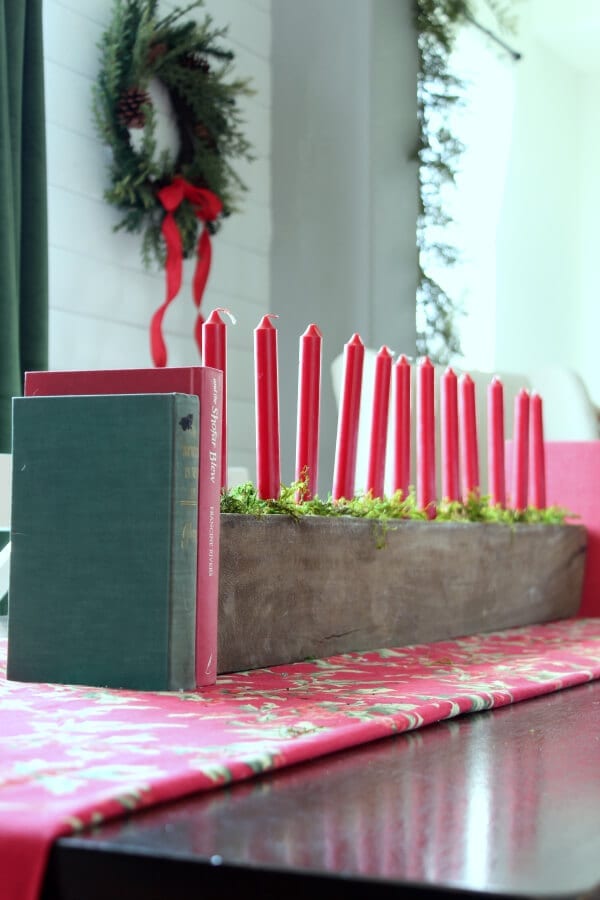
73, 757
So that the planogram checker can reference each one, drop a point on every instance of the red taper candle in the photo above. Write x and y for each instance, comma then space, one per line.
468, 437
379, 423
309, 401
347, 435
520, 450
537, 455
449, 422
425, 437
214, 353
268, 468
495, 438
401, 462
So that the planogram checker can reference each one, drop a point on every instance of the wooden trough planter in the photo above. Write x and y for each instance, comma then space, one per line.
290, 589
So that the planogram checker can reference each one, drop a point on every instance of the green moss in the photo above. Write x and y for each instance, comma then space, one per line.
243, 499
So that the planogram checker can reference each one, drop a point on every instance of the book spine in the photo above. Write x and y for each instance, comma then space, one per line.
184, 544
209, 495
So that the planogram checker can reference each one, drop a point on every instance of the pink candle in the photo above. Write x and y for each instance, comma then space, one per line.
214, 353
425, 437
401, 467
537, 456
309, 398
268, 468
520, 450
347, 434
379, 423
449, 417
496, 463
468, 438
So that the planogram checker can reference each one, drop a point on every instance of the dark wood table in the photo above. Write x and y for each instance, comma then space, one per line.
502, 803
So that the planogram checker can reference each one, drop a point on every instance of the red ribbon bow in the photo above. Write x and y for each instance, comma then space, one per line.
207, 207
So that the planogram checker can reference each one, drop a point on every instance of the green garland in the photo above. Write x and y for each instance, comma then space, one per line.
188, 59
439, 92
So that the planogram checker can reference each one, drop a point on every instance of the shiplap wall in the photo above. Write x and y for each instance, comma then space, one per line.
101, 298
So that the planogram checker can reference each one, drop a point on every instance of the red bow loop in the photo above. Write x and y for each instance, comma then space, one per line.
171, 195
207, 207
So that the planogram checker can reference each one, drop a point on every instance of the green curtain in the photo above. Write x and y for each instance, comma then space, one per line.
23, 217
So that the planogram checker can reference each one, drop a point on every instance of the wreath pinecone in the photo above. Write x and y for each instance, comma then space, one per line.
130, 108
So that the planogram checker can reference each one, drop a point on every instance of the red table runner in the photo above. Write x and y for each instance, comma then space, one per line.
72, 757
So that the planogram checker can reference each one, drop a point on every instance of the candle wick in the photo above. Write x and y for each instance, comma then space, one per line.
228, 313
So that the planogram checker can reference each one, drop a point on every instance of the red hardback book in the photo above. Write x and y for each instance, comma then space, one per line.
207, 384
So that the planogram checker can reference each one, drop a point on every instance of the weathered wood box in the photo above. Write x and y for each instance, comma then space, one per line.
320, 586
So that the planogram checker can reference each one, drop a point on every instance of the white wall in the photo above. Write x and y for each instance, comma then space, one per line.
345, 189
527, 195
101, 298
483, 124
548, 245
589, 307
539, 234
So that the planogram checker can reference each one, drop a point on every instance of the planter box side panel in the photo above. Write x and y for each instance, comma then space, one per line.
317, 587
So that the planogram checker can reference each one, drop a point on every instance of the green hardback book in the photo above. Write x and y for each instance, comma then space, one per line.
102, 584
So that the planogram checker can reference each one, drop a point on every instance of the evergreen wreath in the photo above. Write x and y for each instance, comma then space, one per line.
170, 196
188, 59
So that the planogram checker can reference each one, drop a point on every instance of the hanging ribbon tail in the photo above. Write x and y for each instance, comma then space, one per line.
174, 273
202, 266
158, 347
199, 283
174, 262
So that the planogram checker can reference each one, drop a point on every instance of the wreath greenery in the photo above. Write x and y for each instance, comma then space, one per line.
188, 59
